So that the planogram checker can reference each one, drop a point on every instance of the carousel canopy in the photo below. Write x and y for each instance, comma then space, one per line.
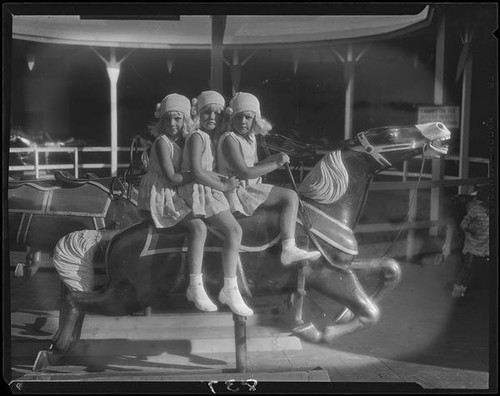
194, 31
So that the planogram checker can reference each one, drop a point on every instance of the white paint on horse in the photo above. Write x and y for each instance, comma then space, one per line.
327, 182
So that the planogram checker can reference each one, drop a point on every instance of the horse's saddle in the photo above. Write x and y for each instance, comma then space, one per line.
260, 232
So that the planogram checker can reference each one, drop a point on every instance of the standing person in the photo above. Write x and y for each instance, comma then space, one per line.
237, 155
476, 227
158, 198
205, 195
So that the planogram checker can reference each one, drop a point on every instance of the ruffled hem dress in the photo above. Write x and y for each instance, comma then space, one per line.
203, 200
251, 193
157, 196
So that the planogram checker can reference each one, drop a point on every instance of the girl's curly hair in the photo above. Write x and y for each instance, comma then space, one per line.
260, 126
155, 127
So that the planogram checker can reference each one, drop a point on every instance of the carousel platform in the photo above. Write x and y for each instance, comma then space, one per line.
423, 339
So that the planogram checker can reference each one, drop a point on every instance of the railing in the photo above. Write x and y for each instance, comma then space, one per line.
75, 165
411, 225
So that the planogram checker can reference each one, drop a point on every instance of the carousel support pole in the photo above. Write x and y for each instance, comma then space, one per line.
75, 153
349, 62
235, 69
349, 92
113, 69
463, 172
240, 342
216, 53
37, 165
438, 163
300, 294
412, 215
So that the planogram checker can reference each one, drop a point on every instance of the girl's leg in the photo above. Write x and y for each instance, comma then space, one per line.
197, 234
288, 201
230, 294
230, 228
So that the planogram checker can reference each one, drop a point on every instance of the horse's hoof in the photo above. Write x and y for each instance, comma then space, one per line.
43, 360
309, 332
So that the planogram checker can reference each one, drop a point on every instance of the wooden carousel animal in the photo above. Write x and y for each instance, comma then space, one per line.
41, 212
145, 264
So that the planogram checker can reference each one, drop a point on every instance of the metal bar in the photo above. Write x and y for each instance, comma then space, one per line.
389, 227
426, 184
240, 342
37, 168
76, 162
438, 163
412, 215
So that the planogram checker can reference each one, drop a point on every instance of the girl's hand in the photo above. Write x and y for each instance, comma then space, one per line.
282, 159
231, 183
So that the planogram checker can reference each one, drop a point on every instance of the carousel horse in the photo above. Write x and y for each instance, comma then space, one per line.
42, 211
145, 264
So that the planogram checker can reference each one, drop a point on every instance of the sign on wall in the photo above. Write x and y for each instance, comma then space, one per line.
448, 115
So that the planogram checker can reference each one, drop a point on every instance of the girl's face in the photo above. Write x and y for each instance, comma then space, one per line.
172, 122
243, 122
210, 117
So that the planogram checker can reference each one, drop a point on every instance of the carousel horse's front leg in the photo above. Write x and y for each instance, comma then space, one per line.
389, 273
366, 312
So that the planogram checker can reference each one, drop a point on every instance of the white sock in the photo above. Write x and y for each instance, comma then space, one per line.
195, 279
288, 243
231, 282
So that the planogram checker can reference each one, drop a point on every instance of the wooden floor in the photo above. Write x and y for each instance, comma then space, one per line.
423, 340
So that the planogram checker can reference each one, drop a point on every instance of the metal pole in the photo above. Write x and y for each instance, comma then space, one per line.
37, 168
349, 92
463, 172
76, 161
216, 55
438, 163
240, 342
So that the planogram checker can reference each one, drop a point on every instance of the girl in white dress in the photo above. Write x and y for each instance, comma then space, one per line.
237, 156
158, 197
205, 195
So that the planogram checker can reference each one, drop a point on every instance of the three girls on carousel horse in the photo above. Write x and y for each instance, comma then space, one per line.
203, 168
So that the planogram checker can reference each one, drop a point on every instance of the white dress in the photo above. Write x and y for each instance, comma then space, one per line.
203, 200
251, 193
157, 195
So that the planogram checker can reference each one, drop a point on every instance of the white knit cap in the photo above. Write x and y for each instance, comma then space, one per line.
209, 98
174, 102
243, 101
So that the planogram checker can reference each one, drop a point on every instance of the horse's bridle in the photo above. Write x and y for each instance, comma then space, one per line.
375, 151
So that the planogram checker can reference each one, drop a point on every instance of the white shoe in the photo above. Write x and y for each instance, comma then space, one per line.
199, 297
293, 254
232, 298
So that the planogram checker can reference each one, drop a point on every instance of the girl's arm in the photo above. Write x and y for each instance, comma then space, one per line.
232, 151
167, 167
195, 147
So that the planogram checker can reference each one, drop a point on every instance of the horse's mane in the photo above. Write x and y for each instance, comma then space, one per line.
327, 182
